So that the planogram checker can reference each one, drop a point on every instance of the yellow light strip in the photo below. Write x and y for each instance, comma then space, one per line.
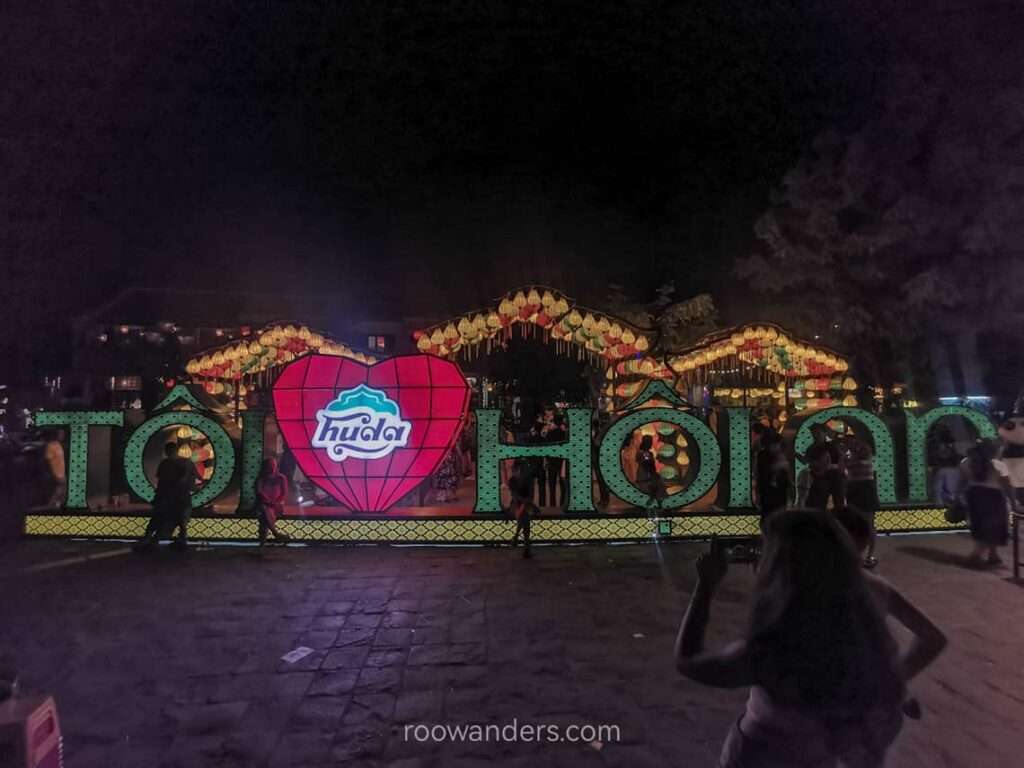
454, 530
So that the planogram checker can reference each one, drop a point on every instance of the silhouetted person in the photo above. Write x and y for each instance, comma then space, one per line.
822, 482
861, 489
521, 507
647, 477
988, 494
271, 493
774, 486
827, 681
553, 466
172, 502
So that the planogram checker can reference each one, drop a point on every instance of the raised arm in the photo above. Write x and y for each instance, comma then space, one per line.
928, 641
726, 668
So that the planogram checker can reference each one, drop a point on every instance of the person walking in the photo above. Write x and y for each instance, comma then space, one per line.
271, 493
987, 493
521, 507
827, 681
861, 489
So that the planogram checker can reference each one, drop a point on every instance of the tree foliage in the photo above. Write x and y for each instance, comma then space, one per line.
909, 227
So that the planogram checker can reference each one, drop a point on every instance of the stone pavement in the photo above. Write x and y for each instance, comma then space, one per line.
175, 660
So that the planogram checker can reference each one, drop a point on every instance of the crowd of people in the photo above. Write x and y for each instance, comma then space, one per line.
981, 487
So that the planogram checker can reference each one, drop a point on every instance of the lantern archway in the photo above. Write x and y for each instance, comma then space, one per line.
763, 362
538, 310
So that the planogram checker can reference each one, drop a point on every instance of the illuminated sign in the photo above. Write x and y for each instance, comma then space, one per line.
360, 422
368, 435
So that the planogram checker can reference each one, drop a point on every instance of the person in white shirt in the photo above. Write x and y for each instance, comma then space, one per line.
987, 492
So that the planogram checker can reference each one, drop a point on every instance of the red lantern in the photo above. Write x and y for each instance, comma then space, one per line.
543, 320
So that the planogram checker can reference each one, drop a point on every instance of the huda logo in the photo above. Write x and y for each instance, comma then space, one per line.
361, 422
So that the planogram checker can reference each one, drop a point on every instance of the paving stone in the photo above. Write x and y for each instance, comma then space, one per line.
365, 620
318, 713
393, 638
334, 683
352, 637
366, 707
301, 748
336, 608
387, 657
342, 658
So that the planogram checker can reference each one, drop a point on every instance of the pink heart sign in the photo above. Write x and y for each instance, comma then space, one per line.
368, 435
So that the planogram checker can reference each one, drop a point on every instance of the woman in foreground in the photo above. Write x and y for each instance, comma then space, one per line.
826, 681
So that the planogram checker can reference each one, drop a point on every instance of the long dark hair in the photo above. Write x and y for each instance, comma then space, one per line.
817, 636
979, 459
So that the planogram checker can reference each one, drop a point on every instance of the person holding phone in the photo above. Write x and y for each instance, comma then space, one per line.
827, 683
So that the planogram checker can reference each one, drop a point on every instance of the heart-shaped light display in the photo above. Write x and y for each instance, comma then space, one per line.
368, 435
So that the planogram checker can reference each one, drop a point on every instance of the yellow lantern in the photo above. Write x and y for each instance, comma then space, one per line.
850, 401
493, 320
547, 299
465, 327
316, 340
749, 333
841, 366
560, 307
304, 333
642, 344
771, 334
192, 367
575, 319
480, 323
520, 300
589, 321
736, 339
533, 297
615, 331
647, 367
506, 308
849, 384
602, 325
437, 337
290, 331
628, 337
218, 358
423, 343
782, 340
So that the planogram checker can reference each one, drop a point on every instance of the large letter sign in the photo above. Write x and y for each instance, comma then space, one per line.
885, 457
710, 457
77, 461
223, 452
368, 435
492, 450
917, 439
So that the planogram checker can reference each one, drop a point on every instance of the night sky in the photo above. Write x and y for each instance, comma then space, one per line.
413, 158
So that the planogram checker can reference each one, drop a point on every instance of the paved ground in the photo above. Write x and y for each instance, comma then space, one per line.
175, 661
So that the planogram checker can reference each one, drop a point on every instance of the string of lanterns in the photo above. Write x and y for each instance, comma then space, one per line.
571, 327
766, 347
273, 346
